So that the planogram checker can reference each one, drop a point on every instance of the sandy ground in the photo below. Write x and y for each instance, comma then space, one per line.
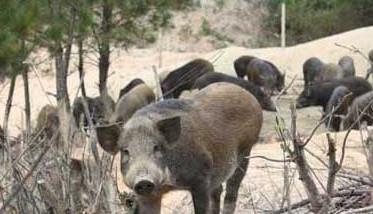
263, 184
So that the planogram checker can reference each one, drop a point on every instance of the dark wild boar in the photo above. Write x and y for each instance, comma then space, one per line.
187, 144
311, 68
214, 77
347, 65
100, 109
337, 107
264, 74
130, 86
318, 94
183, 78
361, 105
240, 65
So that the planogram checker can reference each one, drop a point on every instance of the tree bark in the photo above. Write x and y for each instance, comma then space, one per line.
8, 107
63, 62
61, 79
81, 66
104, 45
27, 102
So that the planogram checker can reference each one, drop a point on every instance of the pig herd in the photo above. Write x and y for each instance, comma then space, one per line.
200, 141
346, 99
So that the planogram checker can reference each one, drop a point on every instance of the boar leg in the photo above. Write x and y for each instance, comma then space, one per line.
233, 184
201, 199
215, 200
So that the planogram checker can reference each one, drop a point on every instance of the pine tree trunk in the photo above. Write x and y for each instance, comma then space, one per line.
104, 45
8, 106
81, 66
61, 79
27, 102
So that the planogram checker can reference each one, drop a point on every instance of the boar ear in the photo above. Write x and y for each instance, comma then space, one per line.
170, 128
108, 138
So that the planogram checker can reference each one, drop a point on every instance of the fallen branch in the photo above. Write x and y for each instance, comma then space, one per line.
305, 202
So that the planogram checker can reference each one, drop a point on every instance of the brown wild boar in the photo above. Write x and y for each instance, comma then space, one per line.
47, 121
193, 144
138, 97
130, 86
329, 71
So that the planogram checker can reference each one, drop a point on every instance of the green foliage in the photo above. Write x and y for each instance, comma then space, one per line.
19, 20
312, 19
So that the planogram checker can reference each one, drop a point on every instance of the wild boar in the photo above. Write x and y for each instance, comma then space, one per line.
311, 68
261, 72
329, 71
130, 86
337, 107
318, 94
240, 65
214, 77
183, 78
347, 65
100, 109
361, 105
140, 96
193, 144
47, 121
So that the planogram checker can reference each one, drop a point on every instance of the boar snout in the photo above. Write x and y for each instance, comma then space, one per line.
144, 187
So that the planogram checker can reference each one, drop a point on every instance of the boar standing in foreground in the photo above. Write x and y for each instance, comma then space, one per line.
337, 107
183, 78
361, 105
347, 65
318, 94
140, 96
311, 68
214, 77
130, 86
188, 144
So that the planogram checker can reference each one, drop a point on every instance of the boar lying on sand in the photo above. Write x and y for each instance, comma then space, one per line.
192, 144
